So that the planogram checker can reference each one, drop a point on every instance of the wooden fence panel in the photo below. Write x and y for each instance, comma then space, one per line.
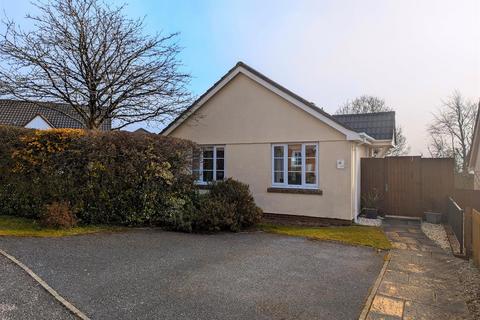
467, 231
476, 237
437, 183
467, 198
373, 177
409, 186
403, 186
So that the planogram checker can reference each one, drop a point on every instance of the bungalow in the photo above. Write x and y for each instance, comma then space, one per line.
41, 115
297, 159
474, 160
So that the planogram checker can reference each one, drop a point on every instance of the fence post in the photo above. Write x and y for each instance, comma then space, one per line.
476, 237
467, 231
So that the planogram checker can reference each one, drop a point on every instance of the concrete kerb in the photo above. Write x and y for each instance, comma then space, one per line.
70, 307
374, 289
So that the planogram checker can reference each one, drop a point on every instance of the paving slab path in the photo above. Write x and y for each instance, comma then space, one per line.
421, 279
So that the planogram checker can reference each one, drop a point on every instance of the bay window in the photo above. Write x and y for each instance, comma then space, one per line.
209, 164
295, 165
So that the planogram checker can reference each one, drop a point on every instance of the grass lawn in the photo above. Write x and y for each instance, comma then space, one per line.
21, 227
355, 235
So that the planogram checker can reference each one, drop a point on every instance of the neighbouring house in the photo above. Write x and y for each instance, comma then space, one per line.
474, 161
296, 158
142, 130
41, 115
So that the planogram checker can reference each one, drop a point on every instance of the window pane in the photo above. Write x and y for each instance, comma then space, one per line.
278, 151
278, 165
295, 157
295, 163
310, 164
208, 153
196, 162
207, 175
294, 149
310, 150
310, 178
220, 164
278, 176
207, 164
220, 174
295, 178
220, 153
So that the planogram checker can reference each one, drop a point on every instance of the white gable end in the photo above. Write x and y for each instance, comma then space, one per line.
38, 123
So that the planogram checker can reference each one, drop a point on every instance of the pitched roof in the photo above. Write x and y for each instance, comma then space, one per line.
19, 113
245, 69
378, 125
142, 130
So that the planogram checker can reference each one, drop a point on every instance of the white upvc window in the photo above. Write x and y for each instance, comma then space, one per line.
209, 164
295, 165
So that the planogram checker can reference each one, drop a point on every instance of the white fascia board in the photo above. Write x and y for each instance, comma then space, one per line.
350, 135
385, 142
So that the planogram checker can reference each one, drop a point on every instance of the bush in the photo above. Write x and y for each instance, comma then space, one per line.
58, 215
114, 178
106, 177
228, 206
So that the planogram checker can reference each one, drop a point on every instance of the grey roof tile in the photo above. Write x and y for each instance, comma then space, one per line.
19, 113
378, 125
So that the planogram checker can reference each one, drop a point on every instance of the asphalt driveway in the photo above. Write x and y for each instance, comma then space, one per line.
151, 274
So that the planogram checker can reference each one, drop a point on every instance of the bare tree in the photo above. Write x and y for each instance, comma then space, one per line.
90, 56
364, 104
370, 104
451, 130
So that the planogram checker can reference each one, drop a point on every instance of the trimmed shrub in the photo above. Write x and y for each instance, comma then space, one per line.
228, 206
106, 177
58, 215
114, 178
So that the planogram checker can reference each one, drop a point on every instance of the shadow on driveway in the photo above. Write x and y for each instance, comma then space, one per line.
151, 274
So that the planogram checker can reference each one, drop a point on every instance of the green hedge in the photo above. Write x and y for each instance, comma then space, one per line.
105, 177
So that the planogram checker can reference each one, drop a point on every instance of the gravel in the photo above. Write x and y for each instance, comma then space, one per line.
369, 222
436, 233
470, 279
468, 274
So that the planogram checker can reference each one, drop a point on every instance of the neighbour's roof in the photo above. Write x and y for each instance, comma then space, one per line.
141, 130
378, 125
20, 113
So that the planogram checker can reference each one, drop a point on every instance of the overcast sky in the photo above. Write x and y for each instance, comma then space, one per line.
411, 53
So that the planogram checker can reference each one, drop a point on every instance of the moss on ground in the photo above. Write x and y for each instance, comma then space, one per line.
354, 235
21, 227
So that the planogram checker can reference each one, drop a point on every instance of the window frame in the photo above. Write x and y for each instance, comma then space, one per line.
303, 184
200, 180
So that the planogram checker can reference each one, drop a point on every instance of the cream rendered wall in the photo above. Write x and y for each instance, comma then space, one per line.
246, 112
247, 118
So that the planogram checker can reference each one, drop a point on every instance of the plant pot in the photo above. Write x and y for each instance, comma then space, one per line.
433, 217
371, 213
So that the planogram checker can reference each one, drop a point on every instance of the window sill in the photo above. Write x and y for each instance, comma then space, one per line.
204, 186
295, 190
